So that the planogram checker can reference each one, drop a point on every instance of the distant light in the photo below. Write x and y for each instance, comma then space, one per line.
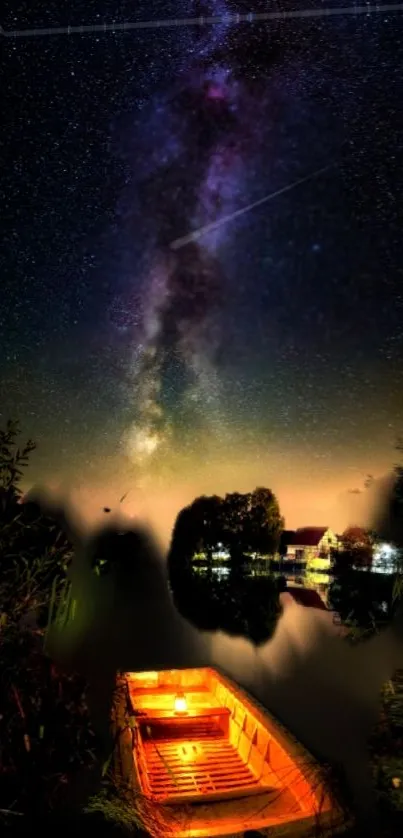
386, 550
221, 571
385, 558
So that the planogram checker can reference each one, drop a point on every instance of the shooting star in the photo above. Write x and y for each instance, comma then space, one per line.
202, 231
208, 20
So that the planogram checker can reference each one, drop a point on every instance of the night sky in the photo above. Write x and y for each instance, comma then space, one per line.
265, 350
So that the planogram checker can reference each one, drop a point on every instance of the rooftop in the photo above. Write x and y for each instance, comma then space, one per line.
304, 536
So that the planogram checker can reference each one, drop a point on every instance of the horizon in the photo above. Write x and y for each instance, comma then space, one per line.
202, 272
160, 506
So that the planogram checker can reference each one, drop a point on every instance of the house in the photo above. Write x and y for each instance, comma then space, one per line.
309, 545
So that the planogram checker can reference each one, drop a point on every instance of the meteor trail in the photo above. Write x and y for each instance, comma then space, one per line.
196, 234
250, 17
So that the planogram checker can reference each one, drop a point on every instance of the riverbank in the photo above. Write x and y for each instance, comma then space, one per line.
67, 733
386, 750
386, 754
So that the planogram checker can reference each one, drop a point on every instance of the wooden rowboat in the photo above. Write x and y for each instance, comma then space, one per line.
201, 758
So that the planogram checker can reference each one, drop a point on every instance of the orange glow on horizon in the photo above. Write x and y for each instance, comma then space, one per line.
309, 491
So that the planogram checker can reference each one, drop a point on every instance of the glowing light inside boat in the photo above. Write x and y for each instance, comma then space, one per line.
201, 739
180, 704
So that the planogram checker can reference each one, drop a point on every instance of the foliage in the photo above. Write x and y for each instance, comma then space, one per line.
363, 600
34, 552
240, 525
13, 460
368, 601
115, 809
357, 548
252, 522
45, 731
386, 752
196, 528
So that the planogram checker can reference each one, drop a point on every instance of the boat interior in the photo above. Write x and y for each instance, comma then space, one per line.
199, 739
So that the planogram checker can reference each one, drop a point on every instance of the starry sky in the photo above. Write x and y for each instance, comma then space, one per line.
201, 270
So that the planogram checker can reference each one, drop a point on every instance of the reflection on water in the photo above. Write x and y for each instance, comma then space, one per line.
324, 690
316, 580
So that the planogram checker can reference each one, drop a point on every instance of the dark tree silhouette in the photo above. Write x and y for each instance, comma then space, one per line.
254, 521
243, 525
44, 727
13, 461
389, 523
197, 528
357, 549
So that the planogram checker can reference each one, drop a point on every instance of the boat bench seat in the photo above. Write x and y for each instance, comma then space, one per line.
216, 756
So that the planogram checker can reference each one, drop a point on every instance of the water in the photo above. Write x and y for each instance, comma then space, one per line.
318, 581
324, 690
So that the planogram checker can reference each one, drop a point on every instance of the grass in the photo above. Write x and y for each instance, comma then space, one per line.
386, 748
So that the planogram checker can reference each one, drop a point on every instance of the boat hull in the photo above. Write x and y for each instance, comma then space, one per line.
220, 768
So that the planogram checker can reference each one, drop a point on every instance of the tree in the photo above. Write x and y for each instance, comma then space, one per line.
197, 529
34, 551
252, 522
243, 524
13, 461
235, 513
265, 523
396, 522
388, 524
45, 727
357, 546
395, 510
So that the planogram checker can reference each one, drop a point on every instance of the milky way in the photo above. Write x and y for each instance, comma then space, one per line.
198, 179
172, 274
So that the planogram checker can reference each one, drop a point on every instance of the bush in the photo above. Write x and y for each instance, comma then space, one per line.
45, 731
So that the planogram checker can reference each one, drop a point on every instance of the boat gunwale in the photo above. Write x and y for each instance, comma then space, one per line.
333, 817
286, 735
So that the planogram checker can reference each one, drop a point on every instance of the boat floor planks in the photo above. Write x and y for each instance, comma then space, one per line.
205, 760
208, 766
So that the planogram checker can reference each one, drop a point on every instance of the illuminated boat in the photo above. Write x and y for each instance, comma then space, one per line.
201, 758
